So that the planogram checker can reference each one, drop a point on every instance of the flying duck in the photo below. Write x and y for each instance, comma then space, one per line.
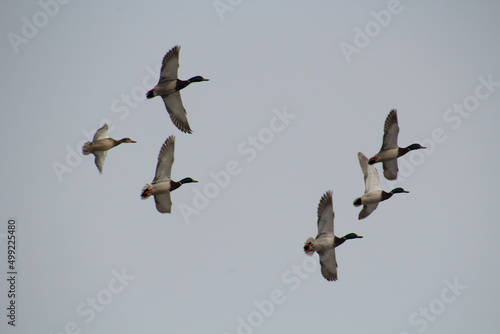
162, 185
168, 88
326, 241
373, 192
390, 151
100, 145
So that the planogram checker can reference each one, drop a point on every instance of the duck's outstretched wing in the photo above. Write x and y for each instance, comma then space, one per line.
170, 64
165, 161
367, 210
101, 133
163, 203
325, 215
391, 131
178, 114
372, 181
390, 169
328, 264
100, 157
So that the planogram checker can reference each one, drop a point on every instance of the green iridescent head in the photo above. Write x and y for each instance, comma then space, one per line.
415, 147
197, 79
352, 236
399, 190
187, 180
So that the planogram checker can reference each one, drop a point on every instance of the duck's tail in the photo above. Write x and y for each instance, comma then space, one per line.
146, 191
150, 94
357, 202
308, 246
87, 148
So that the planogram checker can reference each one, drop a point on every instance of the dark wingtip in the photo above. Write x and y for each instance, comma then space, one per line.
186, 129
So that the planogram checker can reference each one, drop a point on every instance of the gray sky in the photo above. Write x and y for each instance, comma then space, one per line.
296, 90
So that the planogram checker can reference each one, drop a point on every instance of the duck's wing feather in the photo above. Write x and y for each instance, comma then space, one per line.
165, 161
328, 264
367, 210
100, 157
178, 114
163, 203
390, 169
170, 64
391, 131
372, 181
101, 133
325, 215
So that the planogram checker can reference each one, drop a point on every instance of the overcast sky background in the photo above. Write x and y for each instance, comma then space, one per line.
204, 272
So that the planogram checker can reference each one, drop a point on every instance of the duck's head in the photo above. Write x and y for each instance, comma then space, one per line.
399, 190
127, 140
197, 79
415, 147
352, 236
187, 180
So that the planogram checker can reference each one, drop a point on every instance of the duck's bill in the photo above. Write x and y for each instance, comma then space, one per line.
405, 191
204, 79
194, 181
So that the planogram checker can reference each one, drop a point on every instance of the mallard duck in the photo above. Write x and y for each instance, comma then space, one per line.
326, 241
100, 145
168, 88
373, 192
162, 185
390, 151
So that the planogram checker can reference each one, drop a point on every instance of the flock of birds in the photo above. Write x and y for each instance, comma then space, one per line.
168, 88
324, 244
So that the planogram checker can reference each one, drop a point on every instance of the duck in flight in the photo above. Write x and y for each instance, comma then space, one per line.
168, 88
373, 192
390, 151
100, 145
325, 242
162, 184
